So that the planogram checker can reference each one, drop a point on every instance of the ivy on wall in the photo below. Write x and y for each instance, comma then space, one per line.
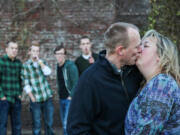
165, 18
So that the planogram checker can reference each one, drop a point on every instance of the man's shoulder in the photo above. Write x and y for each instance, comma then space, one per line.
69, 63
1, 60
26, 63
3, 57
18, 60
132, 73
131, 69
93, 71
79, 58
95, 55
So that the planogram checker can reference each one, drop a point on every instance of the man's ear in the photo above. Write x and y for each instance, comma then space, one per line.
6, 49
119, 50
29, 51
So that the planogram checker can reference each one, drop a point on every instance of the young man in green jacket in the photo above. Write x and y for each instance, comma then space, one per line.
67, 77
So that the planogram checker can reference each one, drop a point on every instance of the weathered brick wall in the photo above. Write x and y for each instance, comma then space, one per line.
55, 21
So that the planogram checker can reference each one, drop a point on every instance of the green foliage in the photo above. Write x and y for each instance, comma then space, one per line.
178, 13
165, 18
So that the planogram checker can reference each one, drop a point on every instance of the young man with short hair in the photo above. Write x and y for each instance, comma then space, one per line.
10, 89
67, 77
87, 57
36, 86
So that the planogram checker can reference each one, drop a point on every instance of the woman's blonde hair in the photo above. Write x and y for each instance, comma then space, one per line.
168, 54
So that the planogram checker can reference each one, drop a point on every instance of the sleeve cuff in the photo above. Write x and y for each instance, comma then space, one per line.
27, 89
1, 96
46, 70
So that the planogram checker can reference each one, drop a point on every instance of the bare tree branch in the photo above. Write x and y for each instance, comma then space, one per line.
22, 15
61, 14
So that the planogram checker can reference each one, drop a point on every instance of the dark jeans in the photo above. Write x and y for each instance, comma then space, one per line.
14, 110
47, 109
64, 109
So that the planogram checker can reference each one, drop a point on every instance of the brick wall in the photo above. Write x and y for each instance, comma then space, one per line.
55, 21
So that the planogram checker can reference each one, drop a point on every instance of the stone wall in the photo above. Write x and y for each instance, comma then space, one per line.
54, 21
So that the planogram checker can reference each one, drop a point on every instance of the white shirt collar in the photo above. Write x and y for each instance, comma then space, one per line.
86, 56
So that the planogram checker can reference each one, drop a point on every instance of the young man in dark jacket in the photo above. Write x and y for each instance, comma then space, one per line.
104, 91
67, 77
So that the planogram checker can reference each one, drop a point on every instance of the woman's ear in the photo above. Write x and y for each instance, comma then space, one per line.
158, 59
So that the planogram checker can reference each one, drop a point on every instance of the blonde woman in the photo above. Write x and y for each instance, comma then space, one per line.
156, 109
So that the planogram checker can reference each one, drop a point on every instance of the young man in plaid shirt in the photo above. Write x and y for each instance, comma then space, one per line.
36, 86
10, 89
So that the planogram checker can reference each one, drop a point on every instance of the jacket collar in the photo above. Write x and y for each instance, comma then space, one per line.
9, 59
115, 70
125, 70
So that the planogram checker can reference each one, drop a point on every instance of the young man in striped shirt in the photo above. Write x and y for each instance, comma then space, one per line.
10, 89
36, 86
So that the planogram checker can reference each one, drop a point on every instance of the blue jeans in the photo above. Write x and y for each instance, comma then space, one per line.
47, 109
64, 109
14, 110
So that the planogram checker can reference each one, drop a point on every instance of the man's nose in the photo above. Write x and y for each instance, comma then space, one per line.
14, 50
140, 49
